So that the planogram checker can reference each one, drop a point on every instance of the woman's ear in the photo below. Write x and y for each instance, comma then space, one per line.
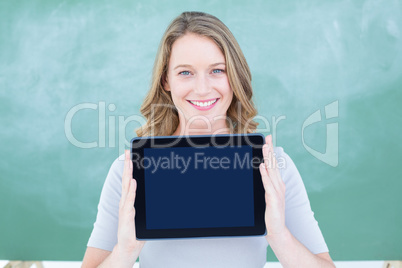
165, 83
166, 86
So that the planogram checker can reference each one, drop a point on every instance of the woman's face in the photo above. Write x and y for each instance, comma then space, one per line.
198, 82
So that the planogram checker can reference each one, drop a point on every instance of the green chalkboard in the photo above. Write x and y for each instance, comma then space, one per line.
327, 77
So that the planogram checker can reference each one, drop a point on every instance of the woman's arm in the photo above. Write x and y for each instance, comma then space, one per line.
128, 248
95, 257
289, 251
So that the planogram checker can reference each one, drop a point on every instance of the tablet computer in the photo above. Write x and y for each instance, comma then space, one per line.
198, 186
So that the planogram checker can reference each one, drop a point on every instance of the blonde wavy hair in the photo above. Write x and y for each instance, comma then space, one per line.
158, 107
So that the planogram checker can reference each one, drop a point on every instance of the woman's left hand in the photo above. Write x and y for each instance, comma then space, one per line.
274, 192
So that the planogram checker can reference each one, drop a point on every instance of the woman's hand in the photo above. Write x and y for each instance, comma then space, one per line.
128, 246
274, 192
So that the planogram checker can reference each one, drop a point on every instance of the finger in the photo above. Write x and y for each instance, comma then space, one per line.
271, 164
267, 158
275, 169
271, 149
132, 193
266, 180
131, 202
128, 205
127, 166
125, 180
267, 139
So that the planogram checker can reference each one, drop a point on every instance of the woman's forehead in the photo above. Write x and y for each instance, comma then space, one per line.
192, 48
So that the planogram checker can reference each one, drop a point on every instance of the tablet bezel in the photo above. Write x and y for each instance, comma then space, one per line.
255, 140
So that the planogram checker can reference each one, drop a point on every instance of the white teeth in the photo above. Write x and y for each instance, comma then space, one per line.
203, 104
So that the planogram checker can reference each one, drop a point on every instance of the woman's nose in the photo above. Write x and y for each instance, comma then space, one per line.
202, 86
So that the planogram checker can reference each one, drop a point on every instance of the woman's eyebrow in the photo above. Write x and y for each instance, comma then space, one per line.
182, 65
188, 65
215, 64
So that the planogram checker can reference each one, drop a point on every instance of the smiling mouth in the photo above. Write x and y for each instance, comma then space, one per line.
205, 104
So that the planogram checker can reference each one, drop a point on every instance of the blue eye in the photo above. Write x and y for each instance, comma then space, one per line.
185, 73
217, 71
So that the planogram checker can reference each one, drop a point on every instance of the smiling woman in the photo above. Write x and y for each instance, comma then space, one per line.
197, 84
199, 61
201, 84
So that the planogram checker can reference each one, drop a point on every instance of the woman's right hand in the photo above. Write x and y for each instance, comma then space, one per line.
128, 246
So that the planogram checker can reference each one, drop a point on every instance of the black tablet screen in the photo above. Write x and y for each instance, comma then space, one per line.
204, 187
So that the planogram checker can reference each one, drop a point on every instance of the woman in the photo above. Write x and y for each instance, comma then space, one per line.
201, 85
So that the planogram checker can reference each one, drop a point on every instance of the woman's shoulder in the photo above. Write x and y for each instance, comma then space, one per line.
282, 157
285, 164
279, 151
118, 163
116, 168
